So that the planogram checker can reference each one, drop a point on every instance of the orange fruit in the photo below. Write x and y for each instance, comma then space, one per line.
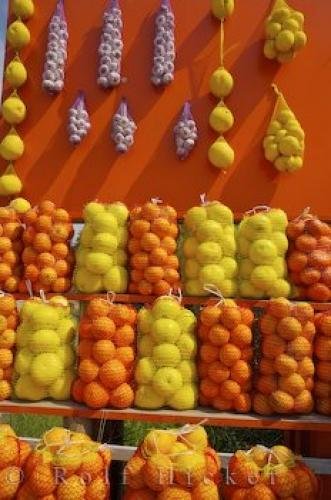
124, 336
11, 284
285, 365
73, 488
203, 369
62, 268
162, 287
241, 372
261, 492
173, 492
218, 335
306, 482
133, 472
319, 258
283, 483
261, 404
209, 353
305, 243
45, 259
297, 261
323, 406
172, 262
322, 389
10, 258
92, 464
169, 244
306, 367
42, 243
125, 355
319, 292
95, 396
207, 490
139, 261
308, 331
77, 390
210, 315
5, 244
30, 216
103, 328
229, 354
145, 288
10, 481
300, 348
247, 316
158, 472
60, 250
267, 366
85, 328
247, 354
222, 404
121, 315
171, 276
24, 452
241, 336
208, 388
8, 373
112, 373
47, 275
134, 246
325, 325
158, 256
136, 275
229, 389
6, 358
43, 224
42, 480
150, 211
303, 402
88, 370
5, 271
97, 489
217, 372
141, 494
85, 349
309, 276
97, 307
29, 255
102, 351
139, 227
60, 233
231, 316
242, 403
169, 212
323, 370
7, 305
323, 348
46, 207
294, 384
289, 328
161, 227
281, 402
279, 308
5, 390
273, 346
61, 215
266, 384
244, 471
149, 241
12, 321
122, 396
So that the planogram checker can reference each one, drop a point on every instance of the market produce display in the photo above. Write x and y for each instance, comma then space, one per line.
47, 257
56, 51
163, 70
262, 246
284, 143
107, 337
209, 249
101, 254
14, 454
8, 325
123, 128
270, 474
185, 132
286, 370
309, 257
154, 266
322, 351
225, 357
222, 9
11, 248
284, 32
174, 464
84, 466
111, 47
45, 358
78, 120
165, 372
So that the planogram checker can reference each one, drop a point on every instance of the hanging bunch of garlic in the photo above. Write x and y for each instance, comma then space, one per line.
123, 128
185, 132
111, 47
164, 46
56, 53
78, 120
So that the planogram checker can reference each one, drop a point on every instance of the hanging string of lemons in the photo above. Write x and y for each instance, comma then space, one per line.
221, 119
13, 109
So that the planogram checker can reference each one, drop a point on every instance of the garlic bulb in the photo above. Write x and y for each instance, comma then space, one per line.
78, 120
164, 46
123, 128
185, 132
56, 53
111, 47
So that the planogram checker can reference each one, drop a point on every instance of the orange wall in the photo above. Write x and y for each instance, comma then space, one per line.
52, 168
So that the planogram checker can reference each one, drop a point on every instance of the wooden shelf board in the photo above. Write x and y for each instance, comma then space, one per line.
311, 422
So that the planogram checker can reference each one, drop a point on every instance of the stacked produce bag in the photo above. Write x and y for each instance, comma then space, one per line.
286, 369
47, 258
152, 245
165, 372
10, 249
209, 249
8, 325
106, 355
45, 358
101, 254
269, 474
81, 463
262, 245
225, 356
322, 347
173, 464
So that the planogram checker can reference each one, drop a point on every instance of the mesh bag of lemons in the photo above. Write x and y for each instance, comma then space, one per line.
269, 474
284, 143
286, 369
284, 31
101, 254
45, 358
66, 465
262, 246
165, 372
209, 249
174, 464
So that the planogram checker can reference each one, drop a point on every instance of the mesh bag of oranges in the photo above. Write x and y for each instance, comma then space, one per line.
285, 380
152, 245
309, 257
11, 247
47, 259
225, 356
268, 474
165, 372
173, 464
262, 246
8, 325
209, 249
14, 454
66, 465
107, 336
45, 358
322, 351
101, 254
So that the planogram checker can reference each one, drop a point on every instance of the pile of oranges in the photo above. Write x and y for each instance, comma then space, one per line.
152, 245
309, 257
225, 357
171, 465
285, 380
106, 355
322, 347
11, 247
8, 324
81, 463
47, 258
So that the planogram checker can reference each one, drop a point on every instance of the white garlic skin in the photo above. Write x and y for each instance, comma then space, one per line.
123, 128
164, 47
78, 122
185, 134
110, 49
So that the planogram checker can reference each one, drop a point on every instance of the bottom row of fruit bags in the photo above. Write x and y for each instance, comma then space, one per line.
173, 464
